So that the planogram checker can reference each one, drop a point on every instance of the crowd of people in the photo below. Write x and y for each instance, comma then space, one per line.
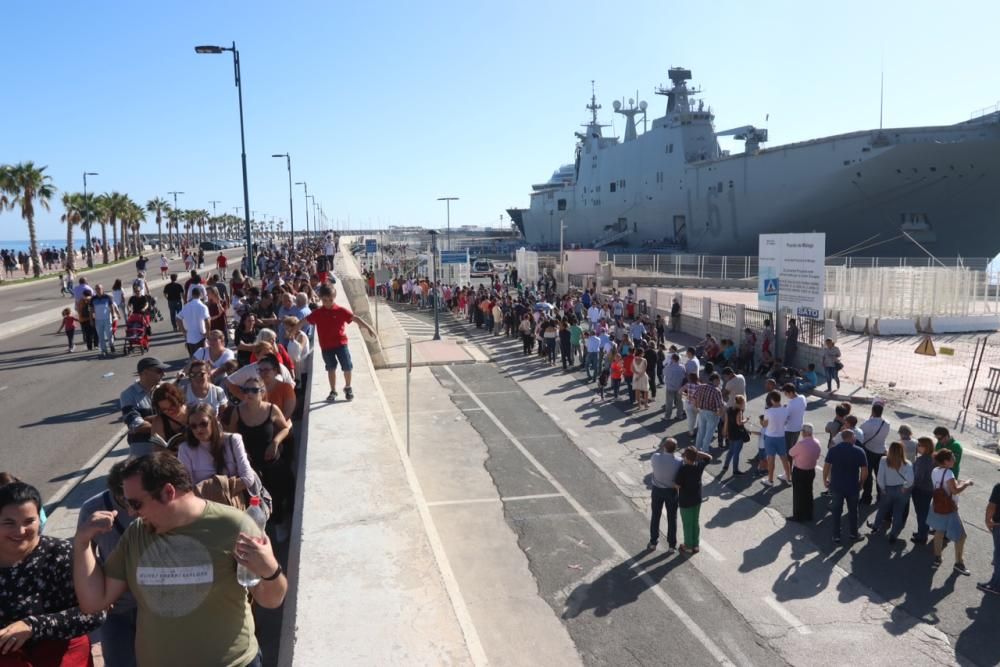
167, 549
626, 354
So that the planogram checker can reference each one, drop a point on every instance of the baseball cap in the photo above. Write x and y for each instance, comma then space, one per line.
150, 362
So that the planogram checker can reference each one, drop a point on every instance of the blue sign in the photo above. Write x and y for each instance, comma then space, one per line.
454, 257
371, 246
811, 313
771, 287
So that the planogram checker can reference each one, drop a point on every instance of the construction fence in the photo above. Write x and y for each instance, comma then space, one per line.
959, 383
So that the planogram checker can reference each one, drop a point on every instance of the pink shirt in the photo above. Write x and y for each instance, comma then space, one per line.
805, 453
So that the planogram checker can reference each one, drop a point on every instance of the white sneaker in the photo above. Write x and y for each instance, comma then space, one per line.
767, 482
781, 477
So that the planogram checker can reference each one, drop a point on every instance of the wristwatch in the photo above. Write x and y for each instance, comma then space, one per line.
277, 573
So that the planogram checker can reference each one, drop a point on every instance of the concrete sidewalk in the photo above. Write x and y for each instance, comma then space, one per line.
370, 584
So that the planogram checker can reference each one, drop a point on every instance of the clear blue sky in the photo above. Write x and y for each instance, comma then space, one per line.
386, 106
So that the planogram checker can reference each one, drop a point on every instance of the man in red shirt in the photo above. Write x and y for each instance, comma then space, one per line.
331, 321
220, 263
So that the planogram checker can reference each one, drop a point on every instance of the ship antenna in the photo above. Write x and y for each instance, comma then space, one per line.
881, 98
593, 106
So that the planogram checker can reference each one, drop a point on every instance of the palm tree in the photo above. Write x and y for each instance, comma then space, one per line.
172, 225
24, 184
132, 217
158, 205
73, 204
190, 216
202, 221
101, 215
89, 213
113, 207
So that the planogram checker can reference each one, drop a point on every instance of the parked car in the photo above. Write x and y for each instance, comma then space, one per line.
211, 245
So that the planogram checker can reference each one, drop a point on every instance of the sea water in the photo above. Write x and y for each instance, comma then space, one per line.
22, 246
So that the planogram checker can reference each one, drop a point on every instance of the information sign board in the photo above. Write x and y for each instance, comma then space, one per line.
791, 273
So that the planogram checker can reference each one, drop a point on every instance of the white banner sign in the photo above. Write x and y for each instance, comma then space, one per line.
791, 273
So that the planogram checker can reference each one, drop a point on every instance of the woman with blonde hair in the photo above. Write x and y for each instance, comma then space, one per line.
895, 480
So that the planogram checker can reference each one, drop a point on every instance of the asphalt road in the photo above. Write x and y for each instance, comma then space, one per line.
902, 574
59, 408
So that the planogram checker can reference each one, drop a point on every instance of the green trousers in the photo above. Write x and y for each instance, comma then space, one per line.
689, 520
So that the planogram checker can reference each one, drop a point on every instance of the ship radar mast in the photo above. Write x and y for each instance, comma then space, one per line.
678, 96
593, 127
630, 113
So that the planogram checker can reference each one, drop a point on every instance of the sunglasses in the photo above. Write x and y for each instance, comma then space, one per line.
197, 375
251, 390
201, 424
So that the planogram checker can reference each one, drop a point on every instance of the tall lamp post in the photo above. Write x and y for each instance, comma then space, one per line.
177, 214
448, 201
306, 186
243, 143
434, 257
90, 249
291, 209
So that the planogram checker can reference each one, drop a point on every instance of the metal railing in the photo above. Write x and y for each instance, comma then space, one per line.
726, 313
757, 320
744, 267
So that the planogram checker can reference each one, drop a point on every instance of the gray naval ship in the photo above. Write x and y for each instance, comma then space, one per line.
884, 192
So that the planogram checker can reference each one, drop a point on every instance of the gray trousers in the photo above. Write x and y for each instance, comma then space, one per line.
673, 400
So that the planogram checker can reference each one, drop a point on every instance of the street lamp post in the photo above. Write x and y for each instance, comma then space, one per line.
86, 214
306, 186
177, 213
448, 201
433, 258
562, 256
243, 143
291, 209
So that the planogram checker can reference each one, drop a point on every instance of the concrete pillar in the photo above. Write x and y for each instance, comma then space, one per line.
706, 310
830, 329
741, 319
653, 301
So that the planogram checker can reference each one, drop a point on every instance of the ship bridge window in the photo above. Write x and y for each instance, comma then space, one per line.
669, 148
562, 204
612, 186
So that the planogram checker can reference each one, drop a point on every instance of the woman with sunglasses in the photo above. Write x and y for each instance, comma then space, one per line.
208, 451
245, 336
264, 429
199, 388
279, 392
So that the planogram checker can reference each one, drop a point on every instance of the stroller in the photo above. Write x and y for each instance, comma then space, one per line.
136, 333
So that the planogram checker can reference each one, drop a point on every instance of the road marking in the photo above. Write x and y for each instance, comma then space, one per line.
619, 550
710, 550
17, 308
594, 452
469, 501
799, 626
625, 478
572, 433
734, 647
981, 455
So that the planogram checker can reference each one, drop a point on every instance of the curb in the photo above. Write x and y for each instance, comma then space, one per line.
87, 468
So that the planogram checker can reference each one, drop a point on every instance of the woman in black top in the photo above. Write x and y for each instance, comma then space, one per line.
246, 336
40, 619
688, 483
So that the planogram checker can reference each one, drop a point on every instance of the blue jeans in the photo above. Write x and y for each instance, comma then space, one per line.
733, 454
837, 502
593, 370
831, 377
995, 581
674, 401
118, 639
708, 421
894, 502
922, 506
104, 334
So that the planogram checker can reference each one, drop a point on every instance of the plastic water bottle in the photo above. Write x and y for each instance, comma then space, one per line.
256, 514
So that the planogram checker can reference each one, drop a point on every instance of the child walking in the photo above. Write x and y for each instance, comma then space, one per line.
69, 326
331, 321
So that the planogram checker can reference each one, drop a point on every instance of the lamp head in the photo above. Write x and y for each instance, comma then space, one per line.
208, 49
280, 155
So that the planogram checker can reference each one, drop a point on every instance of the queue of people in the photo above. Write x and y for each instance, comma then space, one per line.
167, 550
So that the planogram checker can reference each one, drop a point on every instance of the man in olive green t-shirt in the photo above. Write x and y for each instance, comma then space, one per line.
179, 560
945, 441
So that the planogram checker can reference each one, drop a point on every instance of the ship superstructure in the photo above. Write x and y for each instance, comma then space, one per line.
881, 192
